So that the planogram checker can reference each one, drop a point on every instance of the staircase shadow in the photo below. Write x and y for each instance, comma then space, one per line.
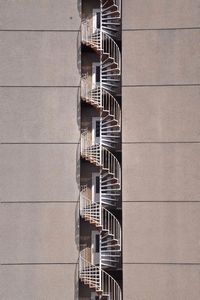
76, 216
79, 7
78, 46
76, 282
78, 119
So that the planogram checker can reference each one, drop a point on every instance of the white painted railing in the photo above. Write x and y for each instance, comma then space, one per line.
90, 211
116, 3
101, 41
101, 99
110, 122
88, 151
110, 170
111, 58
109, 226
96, 278
96, 213
101, 156
110, 17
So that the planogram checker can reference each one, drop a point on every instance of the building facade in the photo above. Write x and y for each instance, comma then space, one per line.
100, 149
100, 263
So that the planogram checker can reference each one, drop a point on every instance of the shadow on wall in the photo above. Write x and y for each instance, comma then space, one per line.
76, 216
77, 205
78, 45
79, 7
76, 273
78, 118
76, 282
78, 109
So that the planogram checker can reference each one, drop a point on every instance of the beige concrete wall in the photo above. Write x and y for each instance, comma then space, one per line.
161, 232
39, 58
161, 57
42, 235
39, 152
161, 172
161, 114
161, 151
161, 282
40, 15
161, 14
45, 281
35, 172
36, 115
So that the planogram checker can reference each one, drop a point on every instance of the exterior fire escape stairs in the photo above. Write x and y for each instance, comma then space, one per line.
103, 98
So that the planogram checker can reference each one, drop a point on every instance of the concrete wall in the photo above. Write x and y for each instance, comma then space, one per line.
39, 113
40, 15
161, 150
158, 14
39, 58
162, 114
40, 74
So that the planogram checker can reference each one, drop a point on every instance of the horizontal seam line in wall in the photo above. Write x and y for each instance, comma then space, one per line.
161, 29
24, 264
72, 143
37, 202
159, 263
18, 143
177, 142
78, 86
159, 85
66, 202
39, 86
164, 201
39, 30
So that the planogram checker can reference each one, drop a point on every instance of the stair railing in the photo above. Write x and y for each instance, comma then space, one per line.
110, 112
102, 42
96, 278
110, 169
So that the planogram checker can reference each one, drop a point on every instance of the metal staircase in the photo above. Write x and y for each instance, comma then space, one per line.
109, 51
103, 97
110, 169
110, 230
111, 17
110, 111
97, 279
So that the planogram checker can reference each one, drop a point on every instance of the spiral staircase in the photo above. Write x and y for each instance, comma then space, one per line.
110, 112
110, 55
110, 169
107, 223
97, 279
111, 17
103, 98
